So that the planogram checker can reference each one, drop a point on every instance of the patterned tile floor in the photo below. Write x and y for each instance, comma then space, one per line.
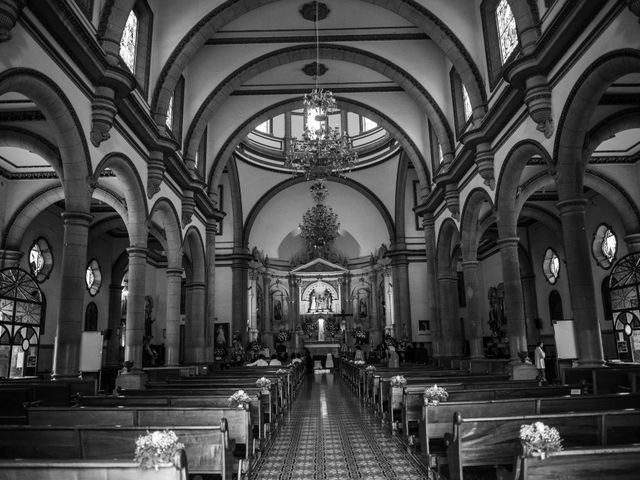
328, 435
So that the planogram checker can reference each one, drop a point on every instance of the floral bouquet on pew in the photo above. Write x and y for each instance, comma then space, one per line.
370, 368
282, 371
156, 448
239, 399
434, 394
358, 362
539, 439
263, 383
398, 381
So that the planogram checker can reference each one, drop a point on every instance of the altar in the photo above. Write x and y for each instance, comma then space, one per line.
321, 348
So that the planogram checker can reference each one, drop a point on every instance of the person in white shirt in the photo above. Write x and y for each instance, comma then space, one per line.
260, 362
539, 359
274, 360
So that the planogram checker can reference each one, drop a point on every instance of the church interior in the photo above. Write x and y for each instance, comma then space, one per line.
349, 202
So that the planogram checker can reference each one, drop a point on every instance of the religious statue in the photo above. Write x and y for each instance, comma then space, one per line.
312, 300
148, 313
221, 338
277, 310
362, 308
328, 299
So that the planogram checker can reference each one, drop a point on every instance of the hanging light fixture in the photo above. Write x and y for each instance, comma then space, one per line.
319, 227
321, 151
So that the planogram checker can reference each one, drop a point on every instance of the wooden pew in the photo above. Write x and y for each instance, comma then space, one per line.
54, 469
603, 379
436, 420
206, 446
595, 463
486, 441
238, 420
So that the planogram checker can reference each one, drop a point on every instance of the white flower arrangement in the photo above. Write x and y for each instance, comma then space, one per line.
263, 382
540, 439
398, 381
434, 394
282, 371
370, 368
358, 362
239, 399
156, 447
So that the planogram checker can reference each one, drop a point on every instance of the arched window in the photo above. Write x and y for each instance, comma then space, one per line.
91, 318
135, 43
174, 111
21, 319
500, 36
40, 259
93, 277
604, 246
462, 109
551, 266
555, 306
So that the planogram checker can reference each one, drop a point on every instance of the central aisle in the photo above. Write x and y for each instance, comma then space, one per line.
328, 435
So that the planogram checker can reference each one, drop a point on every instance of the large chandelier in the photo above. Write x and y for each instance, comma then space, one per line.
322, 151
319, 227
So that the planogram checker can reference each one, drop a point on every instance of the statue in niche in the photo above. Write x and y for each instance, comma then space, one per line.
312, 301
148, 314
362, 308
328, 298
277, 310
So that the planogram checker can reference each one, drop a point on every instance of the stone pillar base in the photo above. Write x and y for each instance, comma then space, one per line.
131, 381
523, 371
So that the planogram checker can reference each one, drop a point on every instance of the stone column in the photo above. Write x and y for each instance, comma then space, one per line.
374, 314
136, 282
240, 284
530, 307
10, 258
402, 295
194, 328
115, 315
212, 229
580, 277
252, 300
633, 242
389, 318
431, 293
473, 325
450, 335
66, 356
172, 325
513, 303
267, 312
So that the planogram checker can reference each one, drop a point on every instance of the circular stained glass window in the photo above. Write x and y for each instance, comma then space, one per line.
40, 259
604, 246
551, 266
93, 277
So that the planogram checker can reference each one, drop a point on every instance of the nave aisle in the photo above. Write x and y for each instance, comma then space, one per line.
328, 435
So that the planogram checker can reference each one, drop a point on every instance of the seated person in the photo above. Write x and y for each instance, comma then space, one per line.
295, 358
359, 353
260, 362
274, 360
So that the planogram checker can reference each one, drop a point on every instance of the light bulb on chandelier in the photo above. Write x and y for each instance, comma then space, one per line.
321, 151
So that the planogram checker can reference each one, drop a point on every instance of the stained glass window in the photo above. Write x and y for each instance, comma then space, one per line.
507, 33
129, 41
604, 246
169, 121
93, 277
551, 266
40, 259
440, 154
466, 102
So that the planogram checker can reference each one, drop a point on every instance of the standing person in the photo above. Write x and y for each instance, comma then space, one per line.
539, 358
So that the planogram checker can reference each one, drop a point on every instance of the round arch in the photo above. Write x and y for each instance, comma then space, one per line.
226, 151
65, 126
448, 239
336, 52
193, 247
469, 221
27, 140
230, 10
164, 211
368, 194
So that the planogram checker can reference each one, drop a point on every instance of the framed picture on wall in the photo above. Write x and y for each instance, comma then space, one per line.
423, 327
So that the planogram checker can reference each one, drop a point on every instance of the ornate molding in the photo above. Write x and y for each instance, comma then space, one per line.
9, 13
22, 116
308, 11
538, 100
103, 111
315, 69
452, 200
634, 6
484, 162
155, 173
188, 206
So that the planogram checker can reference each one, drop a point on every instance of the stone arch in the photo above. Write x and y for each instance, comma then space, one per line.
548, 219
230, 10
448, 239
400, 198
620, 121
618, 197
27, 140
133, 190
509, 181
470, 234
336, 52
257, 208
164, 211
40, 201
578, 112
65, 126
193, 247
226, 151
105, 225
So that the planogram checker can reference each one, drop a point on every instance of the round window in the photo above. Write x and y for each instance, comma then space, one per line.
604, 246
551, 266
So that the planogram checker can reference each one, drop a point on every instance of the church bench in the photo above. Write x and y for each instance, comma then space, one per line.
55, 469
486, 441
374, 378
14, 393
594, 463
603, 379
436, 420
206, 446
412, 395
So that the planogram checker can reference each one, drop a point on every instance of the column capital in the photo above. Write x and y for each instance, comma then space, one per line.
211, 227
196, 286
76, 218
470, 264
574, 205
507, 242
140, 252
174, 272
10, 258
115, 288
446, 276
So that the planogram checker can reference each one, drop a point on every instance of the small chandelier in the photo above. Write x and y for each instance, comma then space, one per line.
322, 151
319, 227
